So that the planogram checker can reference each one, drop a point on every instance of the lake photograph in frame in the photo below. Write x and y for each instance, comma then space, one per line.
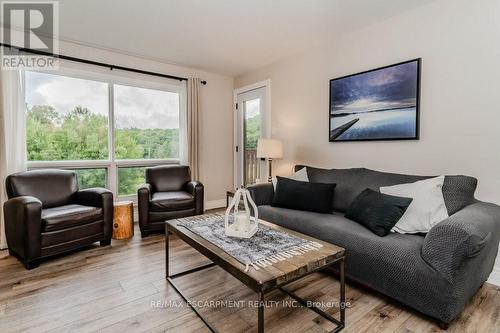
380, 104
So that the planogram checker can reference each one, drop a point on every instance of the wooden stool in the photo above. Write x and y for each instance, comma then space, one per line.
123, 220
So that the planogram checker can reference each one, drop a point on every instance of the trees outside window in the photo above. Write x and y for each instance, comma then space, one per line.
70, 123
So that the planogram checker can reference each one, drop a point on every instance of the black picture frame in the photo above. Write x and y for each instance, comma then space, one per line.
417, 104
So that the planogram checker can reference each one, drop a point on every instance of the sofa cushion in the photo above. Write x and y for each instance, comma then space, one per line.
167, 201
362, 246
392, 264
67, 216
377, 211
351, 182
458, 190
315, 197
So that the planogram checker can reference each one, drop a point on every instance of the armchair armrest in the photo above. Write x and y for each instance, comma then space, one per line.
145, 191
99, 197
144, 194
23, 226
95, 197
262, 194
196, 189
471, 232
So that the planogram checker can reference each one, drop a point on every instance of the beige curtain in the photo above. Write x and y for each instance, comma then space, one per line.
12, 133
192, 126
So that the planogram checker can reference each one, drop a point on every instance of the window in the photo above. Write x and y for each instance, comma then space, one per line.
146, 123
251, 134
88, 178
106, 130
129, 180
252, 123
67, 118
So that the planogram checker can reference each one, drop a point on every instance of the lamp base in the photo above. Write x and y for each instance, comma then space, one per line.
270, 172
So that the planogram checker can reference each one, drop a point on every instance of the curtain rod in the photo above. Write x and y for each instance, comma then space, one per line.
95, 63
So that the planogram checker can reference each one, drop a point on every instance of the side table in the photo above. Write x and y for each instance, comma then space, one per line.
229, 194
123, 220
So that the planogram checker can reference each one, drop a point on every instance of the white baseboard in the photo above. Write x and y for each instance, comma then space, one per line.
495, 276
215, 204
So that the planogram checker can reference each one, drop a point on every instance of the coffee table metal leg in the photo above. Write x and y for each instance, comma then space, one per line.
195, 310
167, 274
170, 280
340, 323
261, 312
342, 292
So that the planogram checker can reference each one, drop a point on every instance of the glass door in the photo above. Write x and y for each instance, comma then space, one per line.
250, 127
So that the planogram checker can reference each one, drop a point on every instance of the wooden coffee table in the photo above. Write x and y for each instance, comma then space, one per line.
264, 280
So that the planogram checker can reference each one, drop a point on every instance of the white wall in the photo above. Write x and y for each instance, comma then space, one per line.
458, 41
216, 135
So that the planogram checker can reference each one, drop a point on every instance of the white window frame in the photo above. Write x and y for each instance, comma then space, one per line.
111, 164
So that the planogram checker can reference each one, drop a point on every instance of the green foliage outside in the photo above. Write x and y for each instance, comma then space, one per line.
83, 135
252, 132
129, 180
88, 178
77, 135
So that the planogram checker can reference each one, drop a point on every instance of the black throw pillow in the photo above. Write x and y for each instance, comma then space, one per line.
293, 194
377, 211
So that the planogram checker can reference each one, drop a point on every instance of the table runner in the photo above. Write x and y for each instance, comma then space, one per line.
266, 247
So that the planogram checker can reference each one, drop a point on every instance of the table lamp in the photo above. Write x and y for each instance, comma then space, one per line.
270, 149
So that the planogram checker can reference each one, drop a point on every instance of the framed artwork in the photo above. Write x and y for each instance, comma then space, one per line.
379, 104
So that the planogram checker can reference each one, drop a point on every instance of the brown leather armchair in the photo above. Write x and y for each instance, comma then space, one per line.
168, 193
46, 214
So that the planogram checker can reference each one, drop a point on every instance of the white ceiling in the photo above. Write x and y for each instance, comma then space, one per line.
224, 36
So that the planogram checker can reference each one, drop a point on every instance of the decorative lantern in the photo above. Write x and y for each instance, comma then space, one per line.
240, 223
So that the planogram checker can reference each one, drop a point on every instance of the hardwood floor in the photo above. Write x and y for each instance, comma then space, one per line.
122, 288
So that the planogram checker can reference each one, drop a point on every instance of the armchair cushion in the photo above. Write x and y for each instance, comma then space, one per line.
168, 201
52, 187
166, 178
67, 216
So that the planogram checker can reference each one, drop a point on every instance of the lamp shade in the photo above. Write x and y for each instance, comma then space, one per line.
269, 148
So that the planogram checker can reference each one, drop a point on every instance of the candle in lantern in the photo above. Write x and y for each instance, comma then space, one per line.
240, 220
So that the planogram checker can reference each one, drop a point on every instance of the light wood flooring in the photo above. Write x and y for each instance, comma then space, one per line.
121, 288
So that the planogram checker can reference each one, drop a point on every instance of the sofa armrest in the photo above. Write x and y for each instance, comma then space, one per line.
464, 235
102, 198
23, 226
262, 194
144, 194
196, 189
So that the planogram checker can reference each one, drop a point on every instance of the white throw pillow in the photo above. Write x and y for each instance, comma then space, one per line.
300, 175
427, 208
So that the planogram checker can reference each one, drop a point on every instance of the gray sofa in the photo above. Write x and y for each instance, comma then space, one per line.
436, 273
